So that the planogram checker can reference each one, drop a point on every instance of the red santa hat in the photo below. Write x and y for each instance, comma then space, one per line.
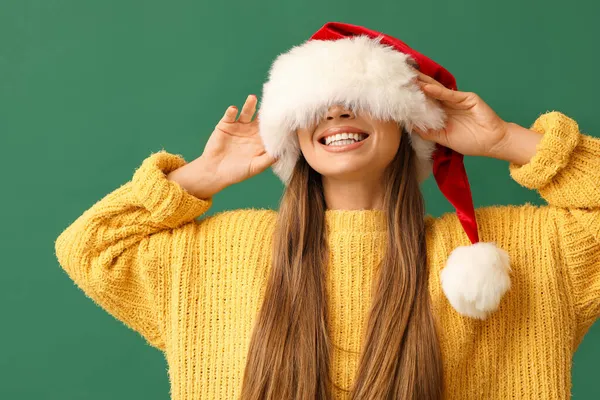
367, 70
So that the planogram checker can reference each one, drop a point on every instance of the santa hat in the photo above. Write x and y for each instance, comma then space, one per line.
367, 70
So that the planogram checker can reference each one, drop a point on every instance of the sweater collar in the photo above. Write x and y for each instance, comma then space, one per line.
358, 221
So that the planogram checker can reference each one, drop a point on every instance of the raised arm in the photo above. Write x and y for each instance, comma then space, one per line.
111, 250
565, 171
552, 157
118, 250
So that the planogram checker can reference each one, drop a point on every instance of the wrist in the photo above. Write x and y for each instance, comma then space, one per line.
197, 179
518, 145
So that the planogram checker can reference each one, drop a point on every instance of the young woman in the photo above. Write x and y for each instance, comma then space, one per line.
341, 293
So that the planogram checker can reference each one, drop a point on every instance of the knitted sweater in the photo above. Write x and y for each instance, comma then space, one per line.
192, 287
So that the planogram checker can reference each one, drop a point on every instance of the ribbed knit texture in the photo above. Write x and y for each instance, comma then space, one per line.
193, 287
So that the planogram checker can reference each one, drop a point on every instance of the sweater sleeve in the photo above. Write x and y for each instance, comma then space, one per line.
111, 250
566, 173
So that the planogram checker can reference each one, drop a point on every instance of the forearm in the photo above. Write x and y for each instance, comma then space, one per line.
141, 207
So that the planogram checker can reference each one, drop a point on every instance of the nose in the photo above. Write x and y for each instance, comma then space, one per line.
338, 111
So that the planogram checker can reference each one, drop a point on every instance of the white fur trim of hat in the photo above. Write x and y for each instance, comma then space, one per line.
358, 72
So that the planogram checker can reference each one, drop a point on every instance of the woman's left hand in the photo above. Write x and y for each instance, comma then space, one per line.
472, 127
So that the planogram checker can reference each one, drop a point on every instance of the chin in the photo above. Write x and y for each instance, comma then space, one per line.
347, 166
353, 173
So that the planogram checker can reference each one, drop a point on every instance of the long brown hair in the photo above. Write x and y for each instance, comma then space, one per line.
289, 353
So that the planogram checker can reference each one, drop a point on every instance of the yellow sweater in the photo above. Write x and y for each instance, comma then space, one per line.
192, 287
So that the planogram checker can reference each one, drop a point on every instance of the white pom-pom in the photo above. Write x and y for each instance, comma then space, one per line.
475, 278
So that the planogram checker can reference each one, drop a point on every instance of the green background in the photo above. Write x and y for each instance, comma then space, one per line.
88, 89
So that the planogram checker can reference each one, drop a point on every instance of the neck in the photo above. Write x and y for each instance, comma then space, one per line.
364, 194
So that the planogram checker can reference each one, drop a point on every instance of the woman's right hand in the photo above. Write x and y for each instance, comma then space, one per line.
233, 153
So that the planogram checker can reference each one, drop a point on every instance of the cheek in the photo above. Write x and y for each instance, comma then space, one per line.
307, 146
304, 140
389, 144
309, 152
388, 138
316, 158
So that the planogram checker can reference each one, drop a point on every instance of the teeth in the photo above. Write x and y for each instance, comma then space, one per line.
342, 139
342, 142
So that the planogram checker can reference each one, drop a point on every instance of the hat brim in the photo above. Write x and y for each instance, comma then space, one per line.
358, 72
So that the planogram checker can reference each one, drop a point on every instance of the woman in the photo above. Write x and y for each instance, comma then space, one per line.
339, 294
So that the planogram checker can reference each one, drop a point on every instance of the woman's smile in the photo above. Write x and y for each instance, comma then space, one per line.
342, 138
337, 148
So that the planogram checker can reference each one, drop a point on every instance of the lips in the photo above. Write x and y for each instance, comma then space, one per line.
339, 129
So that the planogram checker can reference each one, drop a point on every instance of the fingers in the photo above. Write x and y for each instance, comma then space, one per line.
248, 109
452, 98
439, 92
230, 114
427, 79
433, 135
